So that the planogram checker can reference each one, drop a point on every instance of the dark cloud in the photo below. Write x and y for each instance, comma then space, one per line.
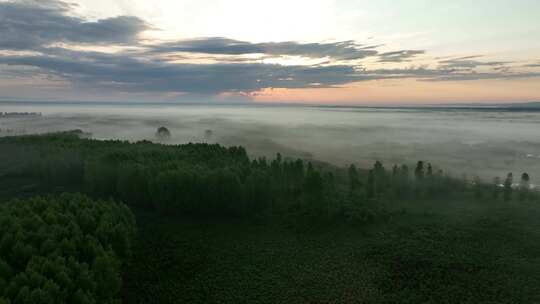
482, 76
127, 73
400, 56
343, 50
124, 72
469, 63
26, 25
426, 74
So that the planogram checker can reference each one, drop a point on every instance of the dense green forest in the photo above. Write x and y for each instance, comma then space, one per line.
63, 249
214, 225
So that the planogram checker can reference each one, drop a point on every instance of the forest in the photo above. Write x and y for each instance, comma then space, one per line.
91, 221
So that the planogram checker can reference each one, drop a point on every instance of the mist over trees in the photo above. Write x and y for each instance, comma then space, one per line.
208, 179
71, 247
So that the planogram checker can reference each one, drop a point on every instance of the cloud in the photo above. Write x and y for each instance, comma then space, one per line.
31, 33
426, 74
343, 50
126, 73
28, 25
129, 73
400, 56
532, 65
469, 63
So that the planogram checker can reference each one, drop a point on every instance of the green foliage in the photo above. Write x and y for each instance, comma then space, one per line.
70, 249
435, 251
63, 249
211, 180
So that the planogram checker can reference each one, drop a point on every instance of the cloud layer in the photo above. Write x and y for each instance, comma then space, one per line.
32, 24
344, 50
45, 37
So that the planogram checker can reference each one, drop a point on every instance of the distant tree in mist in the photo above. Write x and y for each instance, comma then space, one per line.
208, 134
419, 170
508, 187
163, 133
381, 180
478, 193
354, 179
496, 187
370, 191
525, 179
405, 171
524, 186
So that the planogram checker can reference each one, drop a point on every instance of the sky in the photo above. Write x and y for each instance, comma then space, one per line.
327, 51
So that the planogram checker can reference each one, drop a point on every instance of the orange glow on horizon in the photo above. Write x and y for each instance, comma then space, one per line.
410, 91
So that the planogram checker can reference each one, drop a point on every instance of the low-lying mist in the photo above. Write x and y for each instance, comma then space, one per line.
486, 143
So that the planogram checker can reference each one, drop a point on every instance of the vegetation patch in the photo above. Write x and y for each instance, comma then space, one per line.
63, 249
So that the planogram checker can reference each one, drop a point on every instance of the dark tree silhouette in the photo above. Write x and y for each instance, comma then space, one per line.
525, 179
354, 179
508, 187
524, 186
370, 191
163, 133
419, 170
478, 189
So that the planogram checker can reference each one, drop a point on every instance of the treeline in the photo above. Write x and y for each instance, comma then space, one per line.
69, 248
63, 249
18, 114
204, 179
507, 190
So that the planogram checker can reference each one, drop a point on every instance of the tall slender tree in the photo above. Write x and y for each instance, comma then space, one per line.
508, 187
419, 170
354, 179
524, 186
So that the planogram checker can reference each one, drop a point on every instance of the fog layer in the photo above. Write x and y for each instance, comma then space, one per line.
472, 142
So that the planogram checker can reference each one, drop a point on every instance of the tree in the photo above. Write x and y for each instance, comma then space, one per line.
208, 134
478, 193
56, 238
381, 182
163, 133
370, 191
524, 186
508, 187
106, 274
405, 171
354, 179
496, 187
429, 170
314, 200
419, 170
